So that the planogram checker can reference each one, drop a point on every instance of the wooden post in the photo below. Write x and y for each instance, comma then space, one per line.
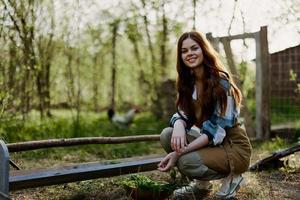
245, 113
4, 171
262, 85
213, 41
230, 60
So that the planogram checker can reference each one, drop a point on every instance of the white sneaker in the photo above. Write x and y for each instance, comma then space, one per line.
194, 189
230, 185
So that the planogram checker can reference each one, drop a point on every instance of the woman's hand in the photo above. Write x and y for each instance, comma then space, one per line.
178, 140
168, 162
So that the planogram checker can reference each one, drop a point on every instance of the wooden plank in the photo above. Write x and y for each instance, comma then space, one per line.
273, 162
230, 60
50, 143
35, 178
238, 36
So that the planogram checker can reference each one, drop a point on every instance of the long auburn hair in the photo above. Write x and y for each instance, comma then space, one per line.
214, 71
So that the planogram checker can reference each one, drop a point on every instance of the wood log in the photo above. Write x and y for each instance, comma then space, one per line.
50, 143
273, 162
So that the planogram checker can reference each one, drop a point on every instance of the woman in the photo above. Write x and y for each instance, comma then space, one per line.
205, 140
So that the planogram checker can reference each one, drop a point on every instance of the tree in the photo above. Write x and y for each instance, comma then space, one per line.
114, 26
22, 16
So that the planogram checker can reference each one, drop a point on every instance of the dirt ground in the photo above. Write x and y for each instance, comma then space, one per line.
280, 184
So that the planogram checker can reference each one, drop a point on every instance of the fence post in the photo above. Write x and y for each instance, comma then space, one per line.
262, 85
4, 171
214, 41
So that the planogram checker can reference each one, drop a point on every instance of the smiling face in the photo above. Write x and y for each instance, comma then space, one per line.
191, 53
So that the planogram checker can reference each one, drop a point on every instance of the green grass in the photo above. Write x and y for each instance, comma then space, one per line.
64, 125
272, 145
142, 182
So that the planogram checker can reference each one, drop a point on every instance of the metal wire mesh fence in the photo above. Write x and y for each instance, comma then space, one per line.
285, 86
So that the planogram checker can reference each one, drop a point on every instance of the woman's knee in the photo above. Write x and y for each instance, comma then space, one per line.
191, 165
166, 134
165, 138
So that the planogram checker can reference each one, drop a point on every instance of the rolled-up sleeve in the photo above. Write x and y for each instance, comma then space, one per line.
178, 115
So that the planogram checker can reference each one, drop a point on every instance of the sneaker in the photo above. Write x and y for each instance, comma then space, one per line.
193, 190
230, 186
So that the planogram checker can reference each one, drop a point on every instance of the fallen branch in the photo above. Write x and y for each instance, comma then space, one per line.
273, 162
40, 144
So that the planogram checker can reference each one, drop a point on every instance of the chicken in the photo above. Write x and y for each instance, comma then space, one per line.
122, 121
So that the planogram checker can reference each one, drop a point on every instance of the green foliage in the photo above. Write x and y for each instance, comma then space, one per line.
293, 75
6, 118
284, 110
90, 124
145, 183
247, 79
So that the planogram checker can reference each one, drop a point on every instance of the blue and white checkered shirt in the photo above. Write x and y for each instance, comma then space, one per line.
214, 128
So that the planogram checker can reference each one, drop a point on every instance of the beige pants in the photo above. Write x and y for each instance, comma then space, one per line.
210, 163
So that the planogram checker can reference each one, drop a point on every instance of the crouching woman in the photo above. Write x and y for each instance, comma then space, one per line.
205, 140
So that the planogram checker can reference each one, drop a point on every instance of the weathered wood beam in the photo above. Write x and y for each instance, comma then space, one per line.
273, 162
230, 60
238, 36
40, 144
36, 178
262, 85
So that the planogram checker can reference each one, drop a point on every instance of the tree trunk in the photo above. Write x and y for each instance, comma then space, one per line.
95, 85
23, 19
12, 67
115, 27
194, 14
133, 35
40, 86
150, 46
47, 90
70, 77
163, 42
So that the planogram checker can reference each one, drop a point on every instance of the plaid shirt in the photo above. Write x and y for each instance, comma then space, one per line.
214, 128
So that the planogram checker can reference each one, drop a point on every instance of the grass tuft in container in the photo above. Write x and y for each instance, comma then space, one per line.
141, 187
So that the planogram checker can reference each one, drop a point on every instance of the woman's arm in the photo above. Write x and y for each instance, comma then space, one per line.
178, 139
198, 143
170, 160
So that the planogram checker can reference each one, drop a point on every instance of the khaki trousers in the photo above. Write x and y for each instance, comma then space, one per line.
213, 162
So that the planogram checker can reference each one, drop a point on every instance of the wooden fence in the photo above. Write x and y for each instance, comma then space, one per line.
20, 179
262, 95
